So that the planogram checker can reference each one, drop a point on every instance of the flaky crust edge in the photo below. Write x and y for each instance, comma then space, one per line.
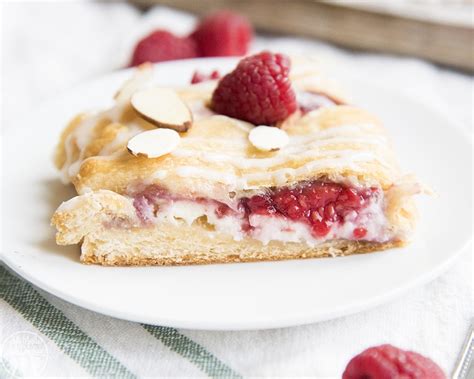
344, 248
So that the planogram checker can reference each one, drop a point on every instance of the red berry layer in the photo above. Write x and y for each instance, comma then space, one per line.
319, 204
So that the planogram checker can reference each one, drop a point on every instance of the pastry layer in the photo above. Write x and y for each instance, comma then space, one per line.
211, 186
107, 226
124, 249
215, 157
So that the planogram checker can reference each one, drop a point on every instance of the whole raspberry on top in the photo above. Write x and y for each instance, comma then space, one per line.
390, 362
162, 45
223, 33
258, 90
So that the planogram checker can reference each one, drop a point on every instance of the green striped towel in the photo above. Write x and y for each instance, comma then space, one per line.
43, 336
82, 343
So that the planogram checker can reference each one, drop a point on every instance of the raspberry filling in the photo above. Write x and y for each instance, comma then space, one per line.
313, 210
317, 204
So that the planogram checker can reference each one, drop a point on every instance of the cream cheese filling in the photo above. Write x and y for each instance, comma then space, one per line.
273, 228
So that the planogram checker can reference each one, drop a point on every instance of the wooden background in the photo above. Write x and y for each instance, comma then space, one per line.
419, 32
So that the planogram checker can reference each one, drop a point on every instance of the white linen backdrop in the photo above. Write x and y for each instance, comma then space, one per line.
48, 47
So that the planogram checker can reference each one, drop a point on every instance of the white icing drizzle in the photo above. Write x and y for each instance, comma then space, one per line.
303, 147
281, 176
120, 139
82, 136
79, 137
338, 147
347, 133
310, 152
200, 172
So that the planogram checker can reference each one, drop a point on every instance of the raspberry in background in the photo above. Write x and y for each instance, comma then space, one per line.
390, 362
199, 77
258, 90
223, 33
162, 45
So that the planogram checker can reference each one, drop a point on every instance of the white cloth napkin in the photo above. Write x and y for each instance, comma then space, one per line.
50, 47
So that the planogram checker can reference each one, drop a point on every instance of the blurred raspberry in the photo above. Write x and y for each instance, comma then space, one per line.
162, 45
199, 77
390, 362
258, 90
223, 33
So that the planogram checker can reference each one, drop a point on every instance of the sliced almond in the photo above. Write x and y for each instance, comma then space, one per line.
154, 143
141, 77
163, 108
268, 138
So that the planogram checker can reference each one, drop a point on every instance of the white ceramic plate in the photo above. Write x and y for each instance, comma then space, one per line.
234, 296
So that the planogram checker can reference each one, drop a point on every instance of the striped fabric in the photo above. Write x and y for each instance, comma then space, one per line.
52, 324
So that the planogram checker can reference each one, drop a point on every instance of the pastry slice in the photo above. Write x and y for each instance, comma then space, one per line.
162, 179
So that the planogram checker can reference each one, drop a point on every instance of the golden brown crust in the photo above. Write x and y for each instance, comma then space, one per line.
87, 213
344, 248
117, 169
94, 158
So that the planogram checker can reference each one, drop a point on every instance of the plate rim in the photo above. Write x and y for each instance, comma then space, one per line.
259, 325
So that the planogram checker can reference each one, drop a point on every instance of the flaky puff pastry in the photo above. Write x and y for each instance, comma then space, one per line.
341, 142
215, 160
